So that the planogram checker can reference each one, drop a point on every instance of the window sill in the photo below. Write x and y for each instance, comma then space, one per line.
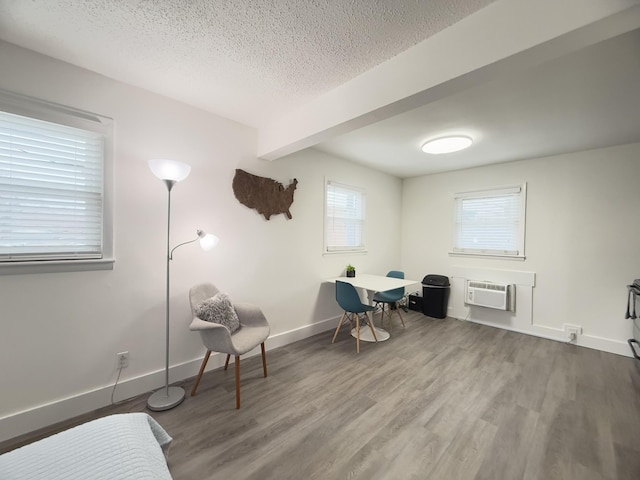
55, 266
344, 252
487, 255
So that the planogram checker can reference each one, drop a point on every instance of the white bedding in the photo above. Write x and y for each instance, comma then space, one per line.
126, 446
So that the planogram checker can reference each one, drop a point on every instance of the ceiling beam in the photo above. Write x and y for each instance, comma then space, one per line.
505, 37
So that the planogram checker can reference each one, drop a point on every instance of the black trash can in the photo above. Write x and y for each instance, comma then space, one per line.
435, 295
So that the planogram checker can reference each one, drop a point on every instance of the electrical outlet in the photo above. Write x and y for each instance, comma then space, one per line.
122, 360
572, 332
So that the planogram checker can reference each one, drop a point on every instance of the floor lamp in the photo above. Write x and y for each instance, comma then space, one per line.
171, 172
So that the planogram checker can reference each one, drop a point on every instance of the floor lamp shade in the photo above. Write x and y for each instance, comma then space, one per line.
169, 169
207, 240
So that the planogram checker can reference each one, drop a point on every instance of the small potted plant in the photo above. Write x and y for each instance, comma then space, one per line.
351, 270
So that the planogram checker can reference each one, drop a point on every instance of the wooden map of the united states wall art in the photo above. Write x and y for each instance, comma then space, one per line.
263, 194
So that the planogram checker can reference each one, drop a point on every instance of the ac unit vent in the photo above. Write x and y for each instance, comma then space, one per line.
488, 286
487, 294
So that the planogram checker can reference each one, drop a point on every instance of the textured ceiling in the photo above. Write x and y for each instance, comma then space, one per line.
247, 60
368, 80
585, 100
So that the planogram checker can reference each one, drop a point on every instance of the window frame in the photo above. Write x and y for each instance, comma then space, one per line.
494, 192
337, 249
38, 109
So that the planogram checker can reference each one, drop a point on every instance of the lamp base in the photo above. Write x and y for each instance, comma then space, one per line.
160, 400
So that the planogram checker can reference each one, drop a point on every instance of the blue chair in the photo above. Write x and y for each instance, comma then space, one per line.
390, 299
349, 300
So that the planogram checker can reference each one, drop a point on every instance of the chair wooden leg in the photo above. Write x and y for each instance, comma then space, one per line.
338, 327
390, 317
202, 367
226, 363
400, 315
237, 381
264, 360
357, 333
370, 322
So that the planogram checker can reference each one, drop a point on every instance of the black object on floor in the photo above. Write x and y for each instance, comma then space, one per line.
415, 303
435, 295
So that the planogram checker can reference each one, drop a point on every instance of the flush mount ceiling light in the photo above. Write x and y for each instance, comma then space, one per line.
446, 144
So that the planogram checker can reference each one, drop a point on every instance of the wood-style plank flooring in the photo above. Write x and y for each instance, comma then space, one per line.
442, 399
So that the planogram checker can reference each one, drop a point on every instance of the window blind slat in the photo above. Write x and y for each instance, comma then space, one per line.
344, 223
489, 222
51, 190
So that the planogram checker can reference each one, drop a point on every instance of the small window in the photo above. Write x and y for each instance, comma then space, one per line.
344, 218
490, 222
52, 180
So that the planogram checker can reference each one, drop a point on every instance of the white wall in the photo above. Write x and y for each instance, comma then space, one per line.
61, 331
582, 238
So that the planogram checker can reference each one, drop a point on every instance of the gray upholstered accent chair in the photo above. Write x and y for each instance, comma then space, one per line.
253, 331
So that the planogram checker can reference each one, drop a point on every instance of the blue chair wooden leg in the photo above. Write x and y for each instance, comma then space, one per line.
338, 327
370, 322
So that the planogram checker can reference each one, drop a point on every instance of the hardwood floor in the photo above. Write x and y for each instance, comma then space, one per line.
442, 399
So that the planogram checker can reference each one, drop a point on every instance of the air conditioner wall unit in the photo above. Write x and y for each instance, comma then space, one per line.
487, 294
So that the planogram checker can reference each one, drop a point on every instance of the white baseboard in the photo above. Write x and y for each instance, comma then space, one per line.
42, 416
589, 341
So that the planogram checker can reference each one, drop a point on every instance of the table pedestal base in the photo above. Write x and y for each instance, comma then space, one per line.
367, 336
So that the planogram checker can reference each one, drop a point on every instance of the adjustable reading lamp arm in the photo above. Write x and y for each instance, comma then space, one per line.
200, 235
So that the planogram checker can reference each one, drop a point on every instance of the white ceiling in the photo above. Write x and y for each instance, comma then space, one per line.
246, 60
261, 61
586, 100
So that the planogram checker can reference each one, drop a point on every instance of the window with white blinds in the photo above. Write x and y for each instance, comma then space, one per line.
51, 190
490, 222
344, 218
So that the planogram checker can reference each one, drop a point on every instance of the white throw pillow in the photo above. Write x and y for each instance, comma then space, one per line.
219, 309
